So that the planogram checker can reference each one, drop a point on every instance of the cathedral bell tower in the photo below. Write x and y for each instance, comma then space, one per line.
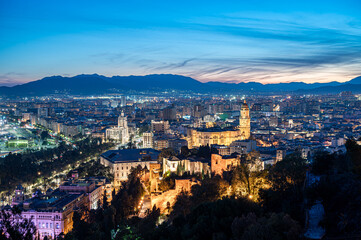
245, 121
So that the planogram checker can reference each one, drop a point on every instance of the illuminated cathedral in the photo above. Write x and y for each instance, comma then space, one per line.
210, 136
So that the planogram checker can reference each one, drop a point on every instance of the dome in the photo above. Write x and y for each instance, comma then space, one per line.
244, 105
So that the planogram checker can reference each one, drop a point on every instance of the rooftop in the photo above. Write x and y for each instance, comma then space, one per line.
131, 155
216, 129
55, 202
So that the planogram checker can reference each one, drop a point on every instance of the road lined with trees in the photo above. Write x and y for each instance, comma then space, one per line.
34, 167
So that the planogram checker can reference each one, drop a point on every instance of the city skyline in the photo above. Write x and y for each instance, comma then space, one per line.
166, 120
239, 42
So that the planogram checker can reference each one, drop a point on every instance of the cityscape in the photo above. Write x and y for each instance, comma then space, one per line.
163, 122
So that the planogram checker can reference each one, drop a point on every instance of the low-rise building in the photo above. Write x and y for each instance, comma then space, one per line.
222, 150
243, 146
122, 161
220, 163
192, 165
53, 214
93, 188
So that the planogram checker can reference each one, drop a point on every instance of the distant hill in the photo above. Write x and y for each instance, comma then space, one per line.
356, 80
355, 88
98, 84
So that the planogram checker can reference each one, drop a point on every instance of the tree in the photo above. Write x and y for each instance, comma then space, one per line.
323, 162
180, 169
208, 220
125, 202
131, 144
210, 189
146, 225
182, 205
166, 184
185, 151
81, 229
275, 226
125, 233
245, 182
354, 153
286, 193
166, 153
105, 200
339, 191
290, 172
14, 226
24, 168
143, 129
44, 135
206, 151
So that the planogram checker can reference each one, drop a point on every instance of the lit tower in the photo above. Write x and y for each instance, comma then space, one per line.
122, 121
245, 121
123, 127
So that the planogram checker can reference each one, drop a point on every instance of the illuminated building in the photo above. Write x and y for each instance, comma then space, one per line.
220, 163
148, 140
209, 136
192, 165
120, 133
52, 214
121, 162
159, 126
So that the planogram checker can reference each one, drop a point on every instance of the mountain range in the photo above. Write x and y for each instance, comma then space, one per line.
97, 84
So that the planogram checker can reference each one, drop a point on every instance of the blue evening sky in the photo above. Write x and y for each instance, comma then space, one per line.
255, 40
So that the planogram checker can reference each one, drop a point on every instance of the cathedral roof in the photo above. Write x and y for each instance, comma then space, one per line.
216, 129
244, 105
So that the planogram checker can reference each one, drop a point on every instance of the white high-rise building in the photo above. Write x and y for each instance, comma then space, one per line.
148, 140
121, 132
122, 121
123, 101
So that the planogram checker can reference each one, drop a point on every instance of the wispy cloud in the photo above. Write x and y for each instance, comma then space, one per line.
12, 78
287, 51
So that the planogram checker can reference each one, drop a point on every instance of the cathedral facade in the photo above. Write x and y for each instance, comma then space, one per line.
210, 136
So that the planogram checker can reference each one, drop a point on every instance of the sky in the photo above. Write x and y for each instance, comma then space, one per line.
231, 41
